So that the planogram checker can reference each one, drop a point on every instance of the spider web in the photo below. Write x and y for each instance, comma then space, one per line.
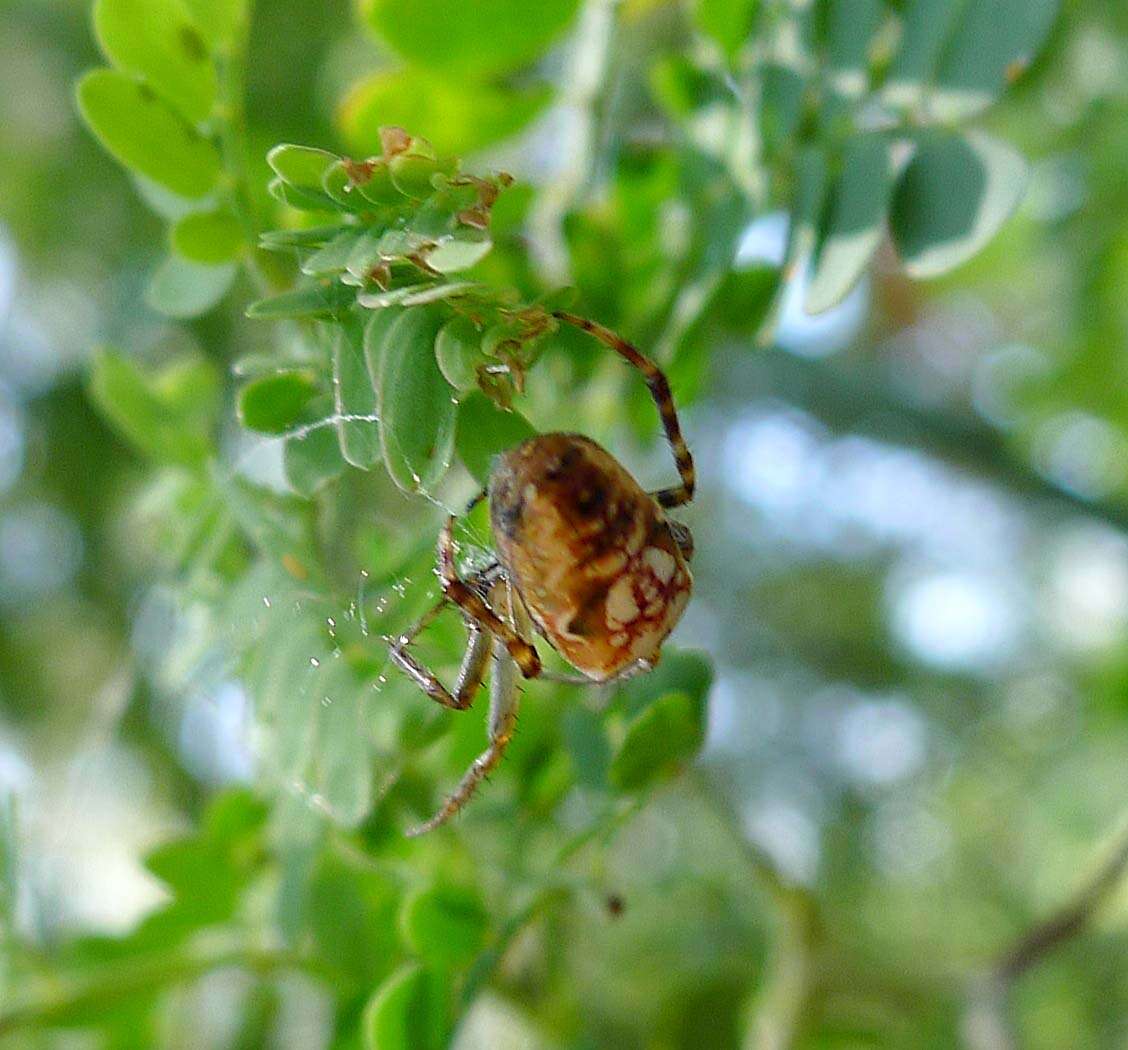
318, 726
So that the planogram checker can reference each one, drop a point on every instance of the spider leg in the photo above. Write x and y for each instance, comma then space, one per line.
659, 388
467, 598
470, 673
627, 673
474, 660
505, 698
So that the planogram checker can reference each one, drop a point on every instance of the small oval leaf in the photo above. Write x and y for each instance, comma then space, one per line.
302, 166
145, 134
209, 237
155, 40
956, 193
484, 431
458, 349
417, 410
859, 199
407, 1012
182, 288
445, 925
312, 458
272, 404
355, 395
660, 738
317, 300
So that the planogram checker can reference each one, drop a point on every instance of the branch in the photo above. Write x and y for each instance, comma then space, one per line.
860, 402
1067, 921
987, 1025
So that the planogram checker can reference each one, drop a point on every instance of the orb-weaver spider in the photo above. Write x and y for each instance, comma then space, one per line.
585, 557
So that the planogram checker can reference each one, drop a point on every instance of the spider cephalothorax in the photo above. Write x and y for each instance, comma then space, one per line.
586, 558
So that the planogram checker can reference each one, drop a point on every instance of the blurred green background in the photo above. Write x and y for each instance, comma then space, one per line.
912, 584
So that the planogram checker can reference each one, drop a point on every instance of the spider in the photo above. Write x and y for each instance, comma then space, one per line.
585, 557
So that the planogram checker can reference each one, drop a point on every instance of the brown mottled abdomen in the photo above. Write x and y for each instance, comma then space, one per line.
589, 551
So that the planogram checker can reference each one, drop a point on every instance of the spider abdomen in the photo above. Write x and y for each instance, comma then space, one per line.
590, 553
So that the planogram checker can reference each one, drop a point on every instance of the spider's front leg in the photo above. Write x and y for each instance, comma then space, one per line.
470, 673
505, 698
463, 595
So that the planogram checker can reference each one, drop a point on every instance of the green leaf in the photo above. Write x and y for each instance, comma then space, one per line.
352, 915
457, 118
301, 166
209, 237
220, 22
458, 350
376, 342
807, 203
853, 24
272, 404
407, 1012
484, 430
926, 25
312, 458
662, 737
332, 258
129, 401
994, 42
190, 387
355, 395
458, 40
417, 411
728, 22
338, 184
301, 198
855, 223
315, 300
144, 134
444, 925
156, 41
680, 671
182, 288
421, 294
952, 199
456, 255
304, 237
412, 170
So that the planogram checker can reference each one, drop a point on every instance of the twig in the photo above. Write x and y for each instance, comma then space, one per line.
987, 1024
861, 402
1067, 921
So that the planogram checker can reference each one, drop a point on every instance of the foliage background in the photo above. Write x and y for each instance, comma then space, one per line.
912, 569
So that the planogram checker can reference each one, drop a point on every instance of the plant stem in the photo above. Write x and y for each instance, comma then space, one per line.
231, 108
